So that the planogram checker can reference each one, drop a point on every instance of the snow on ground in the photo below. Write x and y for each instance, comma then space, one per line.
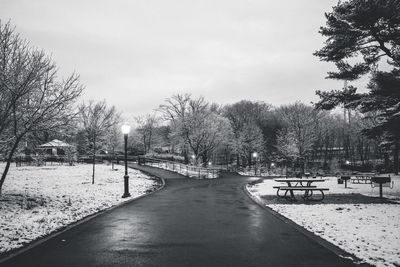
39, 200
369, 231
265, 188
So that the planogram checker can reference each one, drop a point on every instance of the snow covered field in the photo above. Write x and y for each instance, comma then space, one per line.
39, 200
369, 231
265, 188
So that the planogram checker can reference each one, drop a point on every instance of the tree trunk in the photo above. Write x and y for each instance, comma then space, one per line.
249, 160
10, 155
396, 158
386, 161
149, 142
112, 159
94, 158
204, 159
305, 165
144, 144
185, 155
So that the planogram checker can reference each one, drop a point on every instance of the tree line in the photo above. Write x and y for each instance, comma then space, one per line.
298, 135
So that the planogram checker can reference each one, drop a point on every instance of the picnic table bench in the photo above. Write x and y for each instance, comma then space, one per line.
300, 185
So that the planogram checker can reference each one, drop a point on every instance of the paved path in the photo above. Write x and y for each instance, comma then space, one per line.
188, 223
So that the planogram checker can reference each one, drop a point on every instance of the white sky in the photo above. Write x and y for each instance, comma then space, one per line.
135, 54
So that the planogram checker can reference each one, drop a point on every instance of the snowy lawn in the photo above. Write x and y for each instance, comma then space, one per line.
265, 188
39, 200
369, 231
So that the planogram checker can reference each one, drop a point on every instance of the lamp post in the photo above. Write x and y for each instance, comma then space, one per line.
125, 130
255, 155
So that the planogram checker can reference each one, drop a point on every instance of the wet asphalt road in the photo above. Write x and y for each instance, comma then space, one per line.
188, 223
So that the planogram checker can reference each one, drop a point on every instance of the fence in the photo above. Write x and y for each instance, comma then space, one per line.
41, 160
186, 170
262, 171
44, 160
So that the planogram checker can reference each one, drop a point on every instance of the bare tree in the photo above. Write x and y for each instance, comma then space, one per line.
250, 127
32, 100
113, 140
180, 110
301, 122
198, 126
204, 132
97, 119
147, 125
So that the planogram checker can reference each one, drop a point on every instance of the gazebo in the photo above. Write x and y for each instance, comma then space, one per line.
55, 147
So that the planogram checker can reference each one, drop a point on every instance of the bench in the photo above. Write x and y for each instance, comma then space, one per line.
308, 192
280, 187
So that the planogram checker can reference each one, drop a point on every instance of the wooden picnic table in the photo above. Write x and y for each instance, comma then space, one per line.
298, 184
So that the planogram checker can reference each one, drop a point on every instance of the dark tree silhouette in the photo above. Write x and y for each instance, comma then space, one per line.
365, 32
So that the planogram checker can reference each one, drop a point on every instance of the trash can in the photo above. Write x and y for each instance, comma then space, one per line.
339, 181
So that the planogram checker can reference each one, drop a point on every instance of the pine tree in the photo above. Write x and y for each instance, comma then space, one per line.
367, 33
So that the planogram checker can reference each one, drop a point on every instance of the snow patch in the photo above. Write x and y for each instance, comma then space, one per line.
37, 201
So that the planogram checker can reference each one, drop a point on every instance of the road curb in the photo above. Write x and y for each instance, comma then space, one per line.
322, 242
40, 240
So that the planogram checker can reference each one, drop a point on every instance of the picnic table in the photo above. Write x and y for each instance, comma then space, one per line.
298, 184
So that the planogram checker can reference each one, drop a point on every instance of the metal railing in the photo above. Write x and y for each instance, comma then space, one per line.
186, 170
45, 160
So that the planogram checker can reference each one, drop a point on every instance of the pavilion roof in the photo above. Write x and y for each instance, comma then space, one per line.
55, 144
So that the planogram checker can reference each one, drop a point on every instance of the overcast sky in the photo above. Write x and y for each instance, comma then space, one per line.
135, 54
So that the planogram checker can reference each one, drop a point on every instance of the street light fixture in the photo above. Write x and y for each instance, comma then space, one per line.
125, 130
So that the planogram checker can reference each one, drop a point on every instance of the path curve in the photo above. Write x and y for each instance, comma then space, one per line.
188, 223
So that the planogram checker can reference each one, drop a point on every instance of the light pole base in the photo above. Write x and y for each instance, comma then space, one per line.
126, 195
126, 187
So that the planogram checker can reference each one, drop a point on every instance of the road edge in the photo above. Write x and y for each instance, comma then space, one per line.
58, 232
322, 242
